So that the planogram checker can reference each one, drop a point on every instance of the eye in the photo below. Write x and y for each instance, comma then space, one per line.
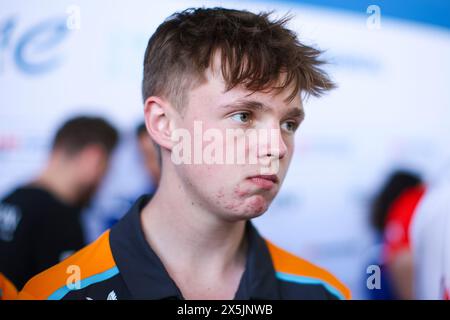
289, 126
243, 117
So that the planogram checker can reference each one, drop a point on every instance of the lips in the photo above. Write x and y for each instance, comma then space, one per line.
264, 181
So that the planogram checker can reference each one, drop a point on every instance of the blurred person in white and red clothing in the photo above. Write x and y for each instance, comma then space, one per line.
391, 213
430, 241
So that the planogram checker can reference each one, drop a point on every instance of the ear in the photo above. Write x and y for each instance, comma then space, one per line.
160, 120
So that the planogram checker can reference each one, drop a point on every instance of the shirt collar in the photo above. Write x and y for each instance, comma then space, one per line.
146, 277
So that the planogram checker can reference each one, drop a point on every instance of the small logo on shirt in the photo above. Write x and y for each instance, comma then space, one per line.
111, 296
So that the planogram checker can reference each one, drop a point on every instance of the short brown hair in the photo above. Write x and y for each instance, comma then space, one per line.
254, 50
79, 132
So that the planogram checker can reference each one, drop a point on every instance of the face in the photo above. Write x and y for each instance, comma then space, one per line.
92, 164
235, 190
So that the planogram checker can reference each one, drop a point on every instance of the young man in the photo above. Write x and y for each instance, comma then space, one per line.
214, 70
40, 222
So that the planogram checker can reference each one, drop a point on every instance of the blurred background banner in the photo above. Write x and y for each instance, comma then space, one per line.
391, 110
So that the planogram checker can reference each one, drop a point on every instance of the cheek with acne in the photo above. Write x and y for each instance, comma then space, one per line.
257, 204
240, 191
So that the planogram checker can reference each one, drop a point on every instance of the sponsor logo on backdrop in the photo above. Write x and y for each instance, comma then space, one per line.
35, 49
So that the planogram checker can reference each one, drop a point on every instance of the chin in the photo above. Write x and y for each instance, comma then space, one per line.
241, 216
250, 208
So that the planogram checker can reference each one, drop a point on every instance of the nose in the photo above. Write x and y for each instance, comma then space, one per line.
271, 143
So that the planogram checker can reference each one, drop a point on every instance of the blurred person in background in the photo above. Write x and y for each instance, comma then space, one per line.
151, 155
391, 214
397, 254
40, 221
430, 242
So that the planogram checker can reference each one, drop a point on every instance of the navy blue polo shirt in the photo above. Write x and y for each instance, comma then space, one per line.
122, 265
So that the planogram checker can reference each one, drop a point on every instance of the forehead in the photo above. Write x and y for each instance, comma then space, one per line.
213, 93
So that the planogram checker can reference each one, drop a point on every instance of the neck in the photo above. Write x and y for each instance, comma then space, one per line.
187, 236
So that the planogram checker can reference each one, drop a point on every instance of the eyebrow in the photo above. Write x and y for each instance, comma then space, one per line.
256, 105
296, 113
250, 104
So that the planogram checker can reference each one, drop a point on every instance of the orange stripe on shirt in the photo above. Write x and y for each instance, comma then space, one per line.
8, 290
288, 263
91, 260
